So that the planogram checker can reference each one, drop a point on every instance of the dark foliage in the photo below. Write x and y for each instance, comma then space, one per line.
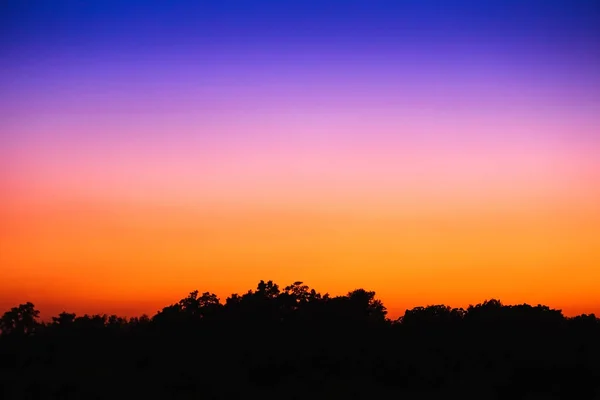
294, 343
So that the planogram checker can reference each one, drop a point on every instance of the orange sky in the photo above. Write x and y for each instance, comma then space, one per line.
132, 258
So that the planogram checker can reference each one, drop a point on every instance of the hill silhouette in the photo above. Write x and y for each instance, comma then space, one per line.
296, 343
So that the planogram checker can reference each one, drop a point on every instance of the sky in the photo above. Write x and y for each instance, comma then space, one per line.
434, 152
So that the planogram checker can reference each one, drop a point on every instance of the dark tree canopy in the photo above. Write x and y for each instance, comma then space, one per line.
20, 320
294, 342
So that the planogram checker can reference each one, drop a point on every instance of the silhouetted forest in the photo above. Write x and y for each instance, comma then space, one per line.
293, 343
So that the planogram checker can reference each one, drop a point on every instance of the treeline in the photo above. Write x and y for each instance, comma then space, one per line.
295, 342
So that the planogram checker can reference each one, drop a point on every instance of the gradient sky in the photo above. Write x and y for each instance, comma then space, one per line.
432, 151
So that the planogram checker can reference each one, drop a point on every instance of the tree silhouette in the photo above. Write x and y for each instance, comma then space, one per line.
64, 320
20, 320
296, 340
433, 317
364, 302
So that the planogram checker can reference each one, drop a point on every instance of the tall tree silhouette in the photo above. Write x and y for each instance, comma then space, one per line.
20, 320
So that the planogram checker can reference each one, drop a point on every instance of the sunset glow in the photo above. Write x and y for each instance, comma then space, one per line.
433, 156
